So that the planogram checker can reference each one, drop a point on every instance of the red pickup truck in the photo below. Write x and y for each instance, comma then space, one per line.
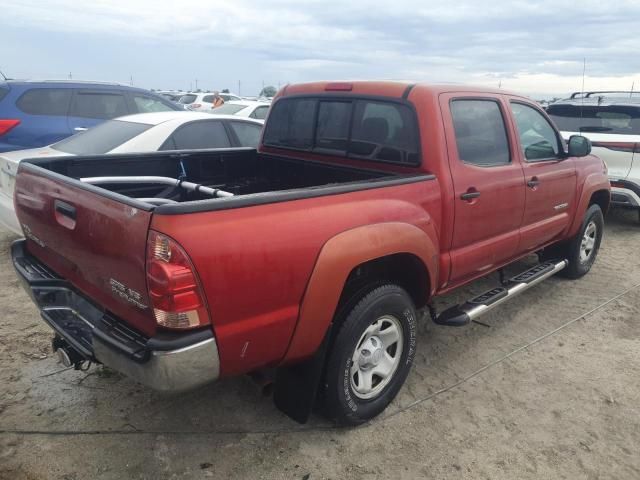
309, 256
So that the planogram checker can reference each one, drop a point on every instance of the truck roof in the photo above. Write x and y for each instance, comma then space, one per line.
390, 88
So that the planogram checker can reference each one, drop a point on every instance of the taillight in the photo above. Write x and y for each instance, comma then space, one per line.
6, 125
174, 290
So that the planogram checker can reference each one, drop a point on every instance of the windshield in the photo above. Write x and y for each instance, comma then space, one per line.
101, 139
187, 99
618, 119
229, 108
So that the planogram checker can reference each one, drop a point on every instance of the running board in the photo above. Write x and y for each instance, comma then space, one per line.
469, 311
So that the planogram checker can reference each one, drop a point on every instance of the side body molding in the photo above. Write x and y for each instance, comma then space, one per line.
338, 257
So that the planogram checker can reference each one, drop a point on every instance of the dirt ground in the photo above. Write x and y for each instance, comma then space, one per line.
549, 390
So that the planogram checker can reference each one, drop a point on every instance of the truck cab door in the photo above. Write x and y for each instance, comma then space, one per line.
550, 178
488, 184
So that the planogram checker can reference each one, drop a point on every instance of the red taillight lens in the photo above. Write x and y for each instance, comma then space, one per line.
6, 125
174, 291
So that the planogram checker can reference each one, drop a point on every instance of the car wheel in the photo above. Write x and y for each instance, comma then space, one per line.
583, 248
371, 355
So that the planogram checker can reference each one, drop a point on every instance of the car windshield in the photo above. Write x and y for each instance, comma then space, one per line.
618, 119
187, 99
229, 108
101, 139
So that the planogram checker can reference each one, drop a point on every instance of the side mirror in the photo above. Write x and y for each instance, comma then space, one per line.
579, 146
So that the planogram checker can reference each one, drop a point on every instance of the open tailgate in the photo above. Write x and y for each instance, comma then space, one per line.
93, 238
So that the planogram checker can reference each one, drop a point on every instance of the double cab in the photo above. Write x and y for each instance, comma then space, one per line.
310, 256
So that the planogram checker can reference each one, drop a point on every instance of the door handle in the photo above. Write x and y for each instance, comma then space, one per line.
533, 183
470, 195
81, 129
65, 209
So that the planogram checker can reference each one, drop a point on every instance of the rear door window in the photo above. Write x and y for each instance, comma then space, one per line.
187, 99
208, 98
197, 135
229, 108
481, 135
260, 112
145, 104
618, 119
45, 101
100, 105
248, 133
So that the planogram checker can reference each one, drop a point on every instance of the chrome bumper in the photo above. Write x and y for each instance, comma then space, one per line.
168, 363
167, 371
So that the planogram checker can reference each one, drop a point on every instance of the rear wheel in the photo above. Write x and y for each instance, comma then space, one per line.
583, 249
371, 355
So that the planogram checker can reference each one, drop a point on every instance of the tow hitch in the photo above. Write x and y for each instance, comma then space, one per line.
67, 355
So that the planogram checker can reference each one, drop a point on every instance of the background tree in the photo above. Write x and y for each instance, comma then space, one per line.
226, 90
269, 91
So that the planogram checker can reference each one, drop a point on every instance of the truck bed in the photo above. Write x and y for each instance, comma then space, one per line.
230, 173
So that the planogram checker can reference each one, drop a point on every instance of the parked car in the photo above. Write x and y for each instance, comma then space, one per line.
35, 114
244, 108
144, 132
200, 102
611, 120
364, 201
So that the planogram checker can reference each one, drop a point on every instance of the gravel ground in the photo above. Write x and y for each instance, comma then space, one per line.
549, 390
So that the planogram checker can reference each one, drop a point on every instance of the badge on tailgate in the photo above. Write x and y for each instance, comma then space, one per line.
127, 294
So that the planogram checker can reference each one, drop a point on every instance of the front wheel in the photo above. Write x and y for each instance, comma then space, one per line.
371, 355
583, 248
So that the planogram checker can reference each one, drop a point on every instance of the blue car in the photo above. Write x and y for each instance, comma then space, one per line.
35, 114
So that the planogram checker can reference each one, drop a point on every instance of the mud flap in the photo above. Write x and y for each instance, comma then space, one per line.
296, 386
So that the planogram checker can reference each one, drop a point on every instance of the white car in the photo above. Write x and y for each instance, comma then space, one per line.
144, 132
244, 108
611, 120
203, 101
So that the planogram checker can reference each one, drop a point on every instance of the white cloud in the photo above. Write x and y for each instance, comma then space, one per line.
533, 46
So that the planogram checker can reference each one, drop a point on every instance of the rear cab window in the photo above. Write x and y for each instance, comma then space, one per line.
45, 101
369, 129
617, 119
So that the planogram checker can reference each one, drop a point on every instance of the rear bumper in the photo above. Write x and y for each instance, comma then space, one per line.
166, 362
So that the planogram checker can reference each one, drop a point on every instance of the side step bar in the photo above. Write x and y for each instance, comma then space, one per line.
469, 311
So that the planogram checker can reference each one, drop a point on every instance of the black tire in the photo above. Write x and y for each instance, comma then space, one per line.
340, 402
579, 266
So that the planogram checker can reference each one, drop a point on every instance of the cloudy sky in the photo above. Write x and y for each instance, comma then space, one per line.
532, 47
